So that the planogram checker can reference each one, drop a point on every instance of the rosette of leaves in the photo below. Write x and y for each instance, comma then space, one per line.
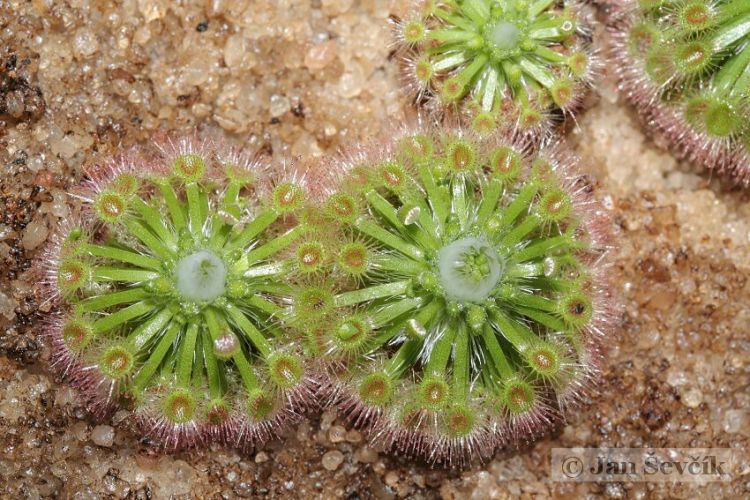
170, 294
471, 299
495, 59
685, 66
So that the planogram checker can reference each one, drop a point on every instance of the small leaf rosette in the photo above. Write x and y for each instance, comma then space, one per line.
472, 298
685, 66
170, 295
497, 61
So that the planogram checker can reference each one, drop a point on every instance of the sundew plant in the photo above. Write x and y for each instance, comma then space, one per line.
488, 59
173, 293
470, 300
685, 65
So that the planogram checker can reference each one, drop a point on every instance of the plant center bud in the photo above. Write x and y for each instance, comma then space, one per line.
469, 269
201, 276
503, 36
